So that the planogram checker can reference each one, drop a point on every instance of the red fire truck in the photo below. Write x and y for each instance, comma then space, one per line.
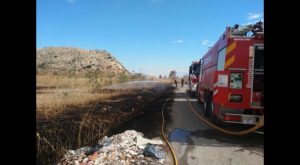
193, 77
231, 78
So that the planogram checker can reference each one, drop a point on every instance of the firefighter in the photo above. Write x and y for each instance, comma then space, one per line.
257, 28
175, 81
235, 29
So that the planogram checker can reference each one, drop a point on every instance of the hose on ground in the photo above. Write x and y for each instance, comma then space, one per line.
235, 133
165, 138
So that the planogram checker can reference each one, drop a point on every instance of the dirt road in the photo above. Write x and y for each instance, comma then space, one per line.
196, 143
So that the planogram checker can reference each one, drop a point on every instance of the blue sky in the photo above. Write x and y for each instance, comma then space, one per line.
148, 36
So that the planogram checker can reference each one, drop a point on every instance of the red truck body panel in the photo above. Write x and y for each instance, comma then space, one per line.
238, 61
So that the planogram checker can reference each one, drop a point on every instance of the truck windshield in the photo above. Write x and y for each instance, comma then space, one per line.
196, 69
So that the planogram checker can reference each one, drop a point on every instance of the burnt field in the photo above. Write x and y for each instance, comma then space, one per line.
77, 126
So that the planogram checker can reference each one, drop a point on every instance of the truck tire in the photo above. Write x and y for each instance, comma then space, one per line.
214, 119
198, 96
190, 89
206, 106
193, 94
200, 101
211, 110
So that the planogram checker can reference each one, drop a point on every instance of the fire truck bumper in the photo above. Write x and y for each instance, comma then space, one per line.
237, 116
241, 118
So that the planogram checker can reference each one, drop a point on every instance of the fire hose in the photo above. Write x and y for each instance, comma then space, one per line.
235, 133
165, 138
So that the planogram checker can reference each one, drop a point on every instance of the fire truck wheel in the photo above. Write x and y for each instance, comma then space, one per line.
213, 117
198, 96
206, 107
193, 94
211, 110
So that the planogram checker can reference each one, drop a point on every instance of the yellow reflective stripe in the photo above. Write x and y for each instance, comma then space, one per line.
215, 92
229, 61
229, 96
231, 47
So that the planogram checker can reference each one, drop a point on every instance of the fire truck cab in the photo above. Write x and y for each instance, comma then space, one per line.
231, 77
194, 70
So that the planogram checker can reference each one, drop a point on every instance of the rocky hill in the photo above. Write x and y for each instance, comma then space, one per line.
64, 60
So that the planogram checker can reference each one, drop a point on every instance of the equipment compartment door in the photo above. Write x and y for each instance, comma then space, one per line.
257, 99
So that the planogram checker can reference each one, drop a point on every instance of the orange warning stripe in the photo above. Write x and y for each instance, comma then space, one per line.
229, 61
231, 48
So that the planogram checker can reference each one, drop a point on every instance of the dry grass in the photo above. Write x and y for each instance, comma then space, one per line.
65, 105
50, 104
56, 92
60, 81
74, 82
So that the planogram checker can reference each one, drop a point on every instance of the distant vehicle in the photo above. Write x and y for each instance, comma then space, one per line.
231, 77
194, 70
